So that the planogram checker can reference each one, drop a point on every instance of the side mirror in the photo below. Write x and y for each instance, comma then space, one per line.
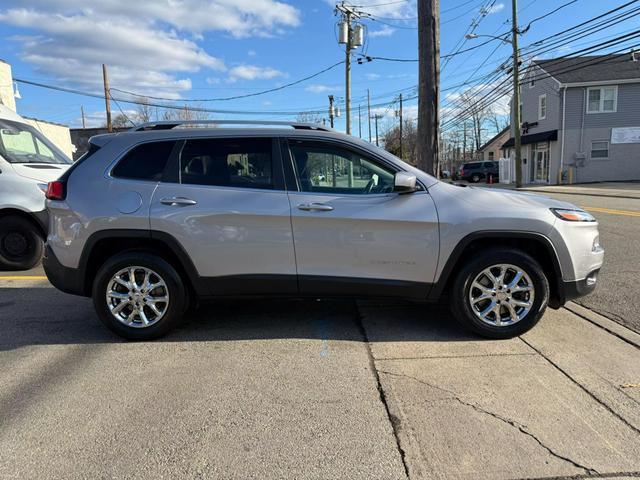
404, 183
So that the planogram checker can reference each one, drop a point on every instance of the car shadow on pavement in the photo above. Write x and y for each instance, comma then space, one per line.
44, 316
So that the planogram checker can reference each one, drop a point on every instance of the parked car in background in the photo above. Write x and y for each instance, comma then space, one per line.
28, 161
153, 219
475, 172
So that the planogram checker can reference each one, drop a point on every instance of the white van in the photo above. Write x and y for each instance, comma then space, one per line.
28, 161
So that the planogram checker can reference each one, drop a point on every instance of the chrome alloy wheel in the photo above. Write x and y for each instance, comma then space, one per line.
501, 295
137, 297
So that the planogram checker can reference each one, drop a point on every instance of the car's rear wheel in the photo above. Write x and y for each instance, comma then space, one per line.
475, 178
21, 245
139, 296
502, 293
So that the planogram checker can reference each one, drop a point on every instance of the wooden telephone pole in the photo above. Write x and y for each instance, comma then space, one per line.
400, 115
428, 84
331, 110
369, 112
107, 97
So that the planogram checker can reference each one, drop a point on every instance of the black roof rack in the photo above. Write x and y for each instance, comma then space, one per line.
169, 124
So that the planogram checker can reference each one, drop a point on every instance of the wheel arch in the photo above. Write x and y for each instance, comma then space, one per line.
534, 244
29, 216
102, 245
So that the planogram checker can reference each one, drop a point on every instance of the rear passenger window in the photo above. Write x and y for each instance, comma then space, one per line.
145, 162
228, 162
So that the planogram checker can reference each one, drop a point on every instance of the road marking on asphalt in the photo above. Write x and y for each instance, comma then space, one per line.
627, 213
23, 277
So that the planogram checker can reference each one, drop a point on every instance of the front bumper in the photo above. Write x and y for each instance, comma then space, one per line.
576, 289
68, 280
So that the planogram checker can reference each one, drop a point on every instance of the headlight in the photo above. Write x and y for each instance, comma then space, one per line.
573, 215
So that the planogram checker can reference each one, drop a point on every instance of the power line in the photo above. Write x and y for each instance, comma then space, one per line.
235, 97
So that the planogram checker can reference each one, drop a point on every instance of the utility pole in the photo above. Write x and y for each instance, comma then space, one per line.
107, 97
428, 83
359, 121
84, 123
369, 112
516, 93
331, 111
377, 116
351, 37
401, 153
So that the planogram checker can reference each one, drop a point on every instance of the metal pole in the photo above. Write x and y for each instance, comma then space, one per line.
516, 94
377, 116
359, 121
369, 112
107, 97
84, 123
401, 153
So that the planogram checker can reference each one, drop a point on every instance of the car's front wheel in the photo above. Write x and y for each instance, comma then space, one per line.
139, 296
501, 293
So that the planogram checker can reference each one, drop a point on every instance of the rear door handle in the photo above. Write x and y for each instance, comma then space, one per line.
178, 201
318, 207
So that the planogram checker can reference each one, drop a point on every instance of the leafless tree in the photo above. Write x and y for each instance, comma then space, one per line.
306, 117
194, 112
144, 111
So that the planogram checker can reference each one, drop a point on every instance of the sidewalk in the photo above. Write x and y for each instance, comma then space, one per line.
605, 189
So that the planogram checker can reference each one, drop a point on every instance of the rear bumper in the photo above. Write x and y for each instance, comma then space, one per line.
42, 218
68, 280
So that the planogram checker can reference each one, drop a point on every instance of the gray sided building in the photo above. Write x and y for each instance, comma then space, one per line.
581, 119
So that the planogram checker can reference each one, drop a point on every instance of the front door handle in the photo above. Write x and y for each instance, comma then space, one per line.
318, 207
178, 201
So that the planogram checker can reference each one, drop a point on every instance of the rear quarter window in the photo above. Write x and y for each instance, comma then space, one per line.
145, 162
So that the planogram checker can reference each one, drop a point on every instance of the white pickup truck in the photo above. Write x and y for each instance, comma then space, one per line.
28, 161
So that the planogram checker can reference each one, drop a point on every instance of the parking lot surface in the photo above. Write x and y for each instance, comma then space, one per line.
312, 389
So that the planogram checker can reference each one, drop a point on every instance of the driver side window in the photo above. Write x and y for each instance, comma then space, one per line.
325, 168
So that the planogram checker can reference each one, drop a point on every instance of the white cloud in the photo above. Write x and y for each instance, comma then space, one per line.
495, 8
252, 53
149, 46
213, 80
319, 88
253, 72
385, 31
371, 76
399, 10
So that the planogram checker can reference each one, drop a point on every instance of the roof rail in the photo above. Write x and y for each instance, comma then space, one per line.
169, 124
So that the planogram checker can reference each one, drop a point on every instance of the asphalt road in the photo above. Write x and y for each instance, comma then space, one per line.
618, 293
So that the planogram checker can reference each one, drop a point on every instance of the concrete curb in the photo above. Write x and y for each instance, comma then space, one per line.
610, 326
589, 194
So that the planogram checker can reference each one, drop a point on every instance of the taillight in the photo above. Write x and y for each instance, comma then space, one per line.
56, 190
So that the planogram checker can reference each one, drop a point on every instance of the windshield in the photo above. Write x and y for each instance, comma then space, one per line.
21, 143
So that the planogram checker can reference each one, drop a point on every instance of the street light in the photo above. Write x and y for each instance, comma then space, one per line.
516, 93
473, 36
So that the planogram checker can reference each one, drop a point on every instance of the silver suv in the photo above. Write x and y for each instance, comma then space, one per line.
151, 220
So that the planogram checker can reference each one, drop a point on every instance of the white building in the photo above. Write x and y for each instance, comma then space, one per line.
56, 133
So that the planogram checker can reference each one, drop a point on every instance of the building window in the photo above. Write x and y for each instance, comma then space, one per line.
602, 99
491, 155
532, 78
542, 107
599, 149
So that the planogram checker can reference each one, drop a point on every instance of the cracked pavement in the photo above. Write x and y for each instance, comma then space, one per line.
313, 389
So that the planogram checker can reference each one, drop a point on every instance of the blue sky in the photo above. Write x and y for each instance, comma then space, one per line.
185, 49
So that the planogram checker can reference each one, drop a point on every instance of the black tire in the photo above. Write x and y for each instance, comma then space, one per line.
459, 295
176, 290
475, 178
21, 244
